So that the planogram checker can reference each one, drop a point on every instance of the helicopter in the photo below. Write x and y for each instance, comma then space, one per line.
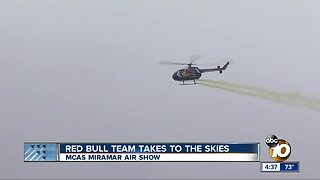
192, 73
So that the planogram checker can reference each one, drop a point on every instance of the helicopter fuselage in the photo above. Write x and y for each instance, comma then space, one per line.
190, 73
193, 73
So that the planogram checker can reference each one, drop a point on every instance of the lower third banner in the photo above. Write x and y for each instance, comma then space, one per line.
141, 152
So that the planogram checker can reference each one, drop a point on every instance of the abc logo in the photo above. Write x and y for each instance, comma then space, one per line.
271, 140
279, 149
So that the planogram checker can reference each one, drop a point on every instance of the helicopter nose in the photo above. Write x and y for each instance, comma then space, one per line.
175, 76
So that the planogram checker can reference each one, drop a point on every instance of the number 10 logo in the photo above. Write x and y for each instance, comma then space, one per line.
279, 149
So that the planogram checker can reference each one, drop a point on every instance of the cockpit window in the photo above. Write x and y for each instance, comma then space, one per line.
187, 72
184, 72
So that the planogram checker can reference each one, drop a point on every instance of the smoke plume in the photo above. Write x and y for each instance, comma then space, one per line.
294, 99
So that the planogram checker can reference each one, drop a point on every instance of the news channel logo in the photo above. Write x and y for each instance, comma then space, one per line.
279, 149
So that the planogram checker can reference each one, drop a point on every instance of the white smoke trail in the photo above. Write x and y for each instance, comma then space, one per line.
31, 154
294, 99
28, 151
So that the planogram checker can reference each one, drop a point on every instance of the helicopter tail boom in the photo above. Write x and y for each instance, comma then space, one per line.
220, 69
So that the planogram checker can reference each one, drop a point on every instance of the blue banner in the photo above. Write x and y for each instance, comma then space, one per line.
159, 148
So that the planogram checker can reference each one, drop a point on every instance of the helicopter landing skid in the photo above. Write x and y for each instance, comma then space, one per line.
189, 84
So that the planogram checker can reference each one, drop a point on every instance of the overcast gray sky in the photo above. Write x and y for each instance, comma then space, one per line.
89, 71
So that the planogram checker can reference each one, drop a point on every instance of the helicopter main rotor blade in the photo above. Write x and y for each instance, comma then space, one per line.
172, 63
217, 63
194, 58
